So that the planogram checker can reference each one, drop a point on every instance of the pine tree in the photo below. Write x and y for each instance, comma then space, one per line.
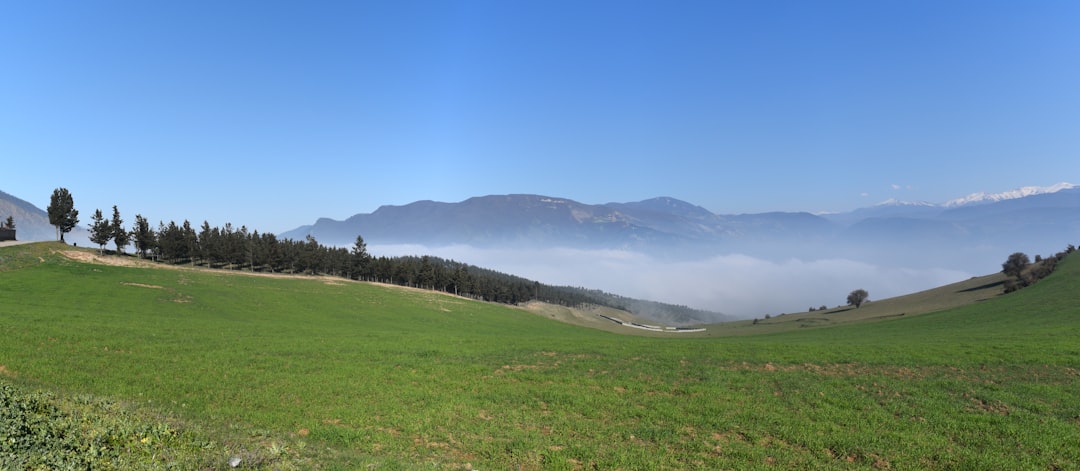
360, 259
100, 231
120, 235
144, 235
62, 212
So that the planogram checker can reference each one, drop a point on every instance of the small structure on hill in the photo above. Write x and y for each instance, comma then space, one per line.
6, 234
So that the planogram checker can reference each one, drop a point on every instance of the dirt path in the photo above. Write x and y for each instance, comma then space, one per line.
16, 242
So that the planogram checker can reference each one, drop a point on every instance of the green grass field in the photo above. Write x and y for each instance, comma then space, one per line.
329, 374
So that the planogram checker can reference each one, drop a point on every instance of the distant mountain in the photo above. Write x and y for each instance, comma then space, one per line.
534, 220
981, 226
1031, 219
32, 223
978, 198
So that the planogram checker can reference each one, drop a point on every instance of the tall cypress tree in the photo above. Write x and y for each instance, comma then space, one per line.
144, 235
120, 235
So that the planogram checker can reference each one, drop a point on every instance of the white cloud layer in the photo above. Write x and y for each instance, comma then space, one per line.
738, 285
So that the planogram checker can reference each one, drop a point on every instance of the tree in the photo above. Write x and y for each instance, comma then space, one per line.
62, 212
100, 231
190, 241
360, 258
144, 235
857, 297
10, 222
120, 235
1015, 264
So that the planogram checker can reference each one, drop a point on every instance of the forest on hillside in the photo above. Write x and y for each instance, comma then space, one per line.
233, 248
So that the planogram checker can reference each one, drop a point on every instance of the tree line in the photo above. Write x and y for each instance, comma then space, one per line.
1024, 273
241, 248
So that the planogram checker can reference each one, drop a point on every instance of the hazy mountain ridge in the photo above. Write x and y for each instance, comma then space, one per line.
495, 220
971, 238
31, 223
536, 220
667, 224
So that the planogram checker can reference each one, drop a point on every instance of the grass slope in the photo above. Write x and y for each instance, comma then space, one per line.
345, 375
970, 291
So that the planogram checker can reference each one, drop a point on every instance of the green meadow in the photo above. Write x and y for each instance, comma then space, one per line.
183, 368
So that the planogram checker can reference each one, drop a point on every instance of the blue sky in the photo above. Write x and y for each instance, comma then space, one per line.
272, 114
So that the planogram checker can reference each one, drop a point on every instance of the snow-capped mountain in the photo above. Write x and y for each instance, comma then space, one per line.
981, 197
896, 202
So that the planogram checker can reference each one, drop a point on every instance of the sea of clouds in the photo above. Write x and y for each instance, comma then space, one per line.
735, 284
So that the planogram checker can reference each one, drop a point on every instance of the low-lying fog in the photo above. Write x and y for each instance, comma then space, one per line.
738, 285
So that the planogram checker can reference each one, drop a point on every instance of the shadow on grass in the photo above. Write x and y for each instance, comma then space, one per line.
980, 288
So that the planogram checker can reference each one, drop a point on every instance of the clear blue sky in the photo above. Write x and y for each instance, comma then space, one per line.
272, 114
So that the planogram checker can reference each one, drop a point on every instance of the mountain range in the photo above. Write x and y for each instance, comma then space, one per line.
981, 226
1037, 219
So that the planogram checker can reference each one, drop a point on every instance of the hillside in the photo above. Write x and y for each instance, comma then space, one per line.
322, 374
972, 291
31, 223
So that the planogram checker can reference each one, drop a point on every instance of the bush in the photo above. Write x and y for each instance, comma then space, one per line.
1028, 274
40, 430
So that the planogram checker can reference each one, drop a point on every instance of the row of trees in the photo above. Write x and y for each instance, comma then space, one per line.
234, 248
8, 223
103, 230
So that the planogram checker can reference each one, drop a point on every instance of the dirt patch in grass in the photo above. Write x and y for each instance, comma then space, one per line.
993, 407
141, 285
116, 261
4, 371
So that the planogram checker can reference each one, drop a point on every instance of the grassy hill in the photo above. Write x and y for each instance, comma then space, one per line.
328, 374
970, 291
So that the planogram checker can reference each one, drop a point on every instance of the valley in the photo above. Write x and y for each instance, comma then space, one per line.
287, 373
